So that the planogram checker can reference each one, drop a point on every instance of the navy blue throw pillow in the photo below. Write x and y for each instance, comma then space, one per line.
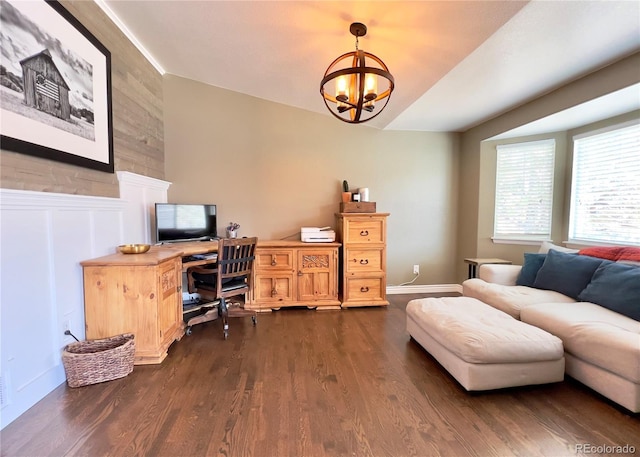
566, 273
530, 267
617, 287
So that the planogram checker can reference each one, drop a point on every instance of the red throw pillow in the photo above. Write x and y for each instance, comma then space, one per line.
613, 253
603, 252
629, 253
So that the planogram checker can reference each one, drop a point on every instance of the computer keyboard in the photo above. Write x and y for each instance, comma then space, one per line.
209, 256
195, 257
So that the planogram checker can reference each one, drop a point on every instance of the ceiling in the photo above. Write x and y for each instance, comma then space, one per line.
456, 64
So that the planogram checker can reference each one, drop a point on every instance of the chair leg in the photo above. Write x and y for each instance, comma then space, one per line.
225, 318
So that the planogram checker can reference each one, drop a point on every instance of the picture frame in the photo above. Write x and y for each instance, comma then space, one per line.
55, 97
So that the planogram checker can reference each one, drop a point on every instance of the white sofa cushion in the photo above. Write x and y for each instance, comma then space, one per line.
592, 333
499, 273
510, 299
478, 333
546, 246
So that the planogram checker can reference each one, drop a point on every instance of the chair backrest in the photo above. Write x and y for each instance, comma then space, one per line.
235, 265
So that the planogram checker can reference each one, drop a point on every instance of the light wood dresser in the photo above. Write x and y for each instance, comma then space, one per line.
139, 294
364, 258
293, 273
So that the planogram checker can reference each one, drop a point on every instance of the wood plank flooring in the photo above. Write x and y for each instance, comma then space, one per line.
313, 383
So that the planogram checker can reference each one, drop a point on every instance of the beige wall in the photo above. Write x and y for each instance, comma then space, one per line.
274, 168
477, 161
138, 130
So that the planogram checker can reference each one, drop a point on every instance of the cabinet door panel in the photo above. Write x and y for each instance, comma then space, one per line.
169, 302
315, 286
122, 299
316, 275
274, 288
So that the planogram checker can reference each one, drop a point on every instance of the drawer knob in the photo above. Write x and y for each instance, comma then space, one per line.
364, 289
299, 273
364, 232
274, 292
274, 263
364, 261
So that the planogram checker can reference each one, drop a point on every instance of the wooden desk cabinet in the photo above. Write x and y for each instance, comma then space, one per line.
293, 273
139, 294
364, 258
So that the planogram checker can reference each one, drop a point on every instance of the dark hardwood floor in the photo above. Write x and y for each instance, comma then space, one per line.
313, 383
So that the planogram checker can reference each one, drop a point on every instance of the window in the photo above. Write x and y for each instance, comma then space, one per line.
524, 191
605, 192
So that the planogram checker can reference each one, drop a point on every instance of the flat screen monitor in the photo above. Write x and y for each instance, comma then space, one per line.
185, 222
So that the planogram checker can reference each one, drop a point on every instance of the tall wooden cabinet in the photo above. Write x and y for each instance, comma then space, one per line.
293, 273
139, 294
364, 258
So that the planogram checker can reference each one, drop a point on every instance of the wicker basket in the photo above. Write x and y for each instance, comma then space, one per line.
94, 361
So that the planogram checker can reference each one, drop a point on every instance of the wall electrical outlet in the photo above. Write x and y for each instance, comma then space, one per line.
416, 269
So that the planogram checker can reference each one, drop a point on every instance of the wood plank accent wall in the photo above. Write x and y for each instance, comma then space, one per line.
138, 122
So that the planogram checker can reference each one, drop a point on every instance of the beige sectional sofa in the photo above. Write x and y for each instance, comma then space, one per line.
602, 345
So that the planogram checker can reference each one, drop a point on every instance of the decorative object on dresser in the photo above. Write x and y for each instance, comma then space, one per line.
364, 258
358, 207
294, 273
134, 248
232, 230
346, 194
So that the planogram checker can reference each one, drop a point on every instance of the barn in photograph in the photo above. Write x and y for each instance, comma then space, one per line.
44, 86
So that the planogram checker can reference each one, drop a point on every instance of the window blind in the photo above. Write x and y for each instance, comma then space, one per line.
605, 195
524, 190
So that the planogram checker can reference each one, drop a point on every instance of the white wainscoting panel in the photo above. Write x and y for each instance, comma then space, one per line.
43, 238
141, 193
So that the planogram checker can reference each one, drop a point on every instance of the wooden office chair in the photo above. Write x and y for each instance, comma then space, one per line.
231, 277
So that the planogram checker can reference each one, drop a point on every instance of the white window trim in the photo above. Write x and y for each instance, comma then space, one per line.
519, 240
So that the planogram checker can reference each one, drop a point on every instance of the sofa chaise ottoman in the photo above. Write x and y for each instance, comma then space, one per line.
594, 311
482, 347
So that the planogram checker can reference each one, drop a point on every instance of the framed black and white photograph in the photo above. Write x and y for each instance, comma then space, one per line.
55, 86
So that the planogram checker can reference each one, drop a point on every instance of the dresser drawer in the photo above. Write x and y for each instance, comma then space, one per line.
357, 261
365, 231
365, 289
273, 260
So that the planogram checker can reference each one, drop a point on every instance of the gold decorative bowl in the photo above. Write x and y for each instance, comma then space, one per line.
134, 248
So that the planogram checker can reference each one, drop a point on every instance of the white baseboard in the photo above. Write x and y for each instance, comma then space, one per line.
424, 289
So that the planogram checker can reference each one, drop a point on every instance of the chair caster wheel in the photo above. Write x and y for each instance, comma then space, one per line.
254, 319
187, 331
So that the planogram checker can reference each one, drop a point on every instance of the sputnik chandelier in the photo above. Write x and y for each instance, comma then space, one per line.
353, 78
